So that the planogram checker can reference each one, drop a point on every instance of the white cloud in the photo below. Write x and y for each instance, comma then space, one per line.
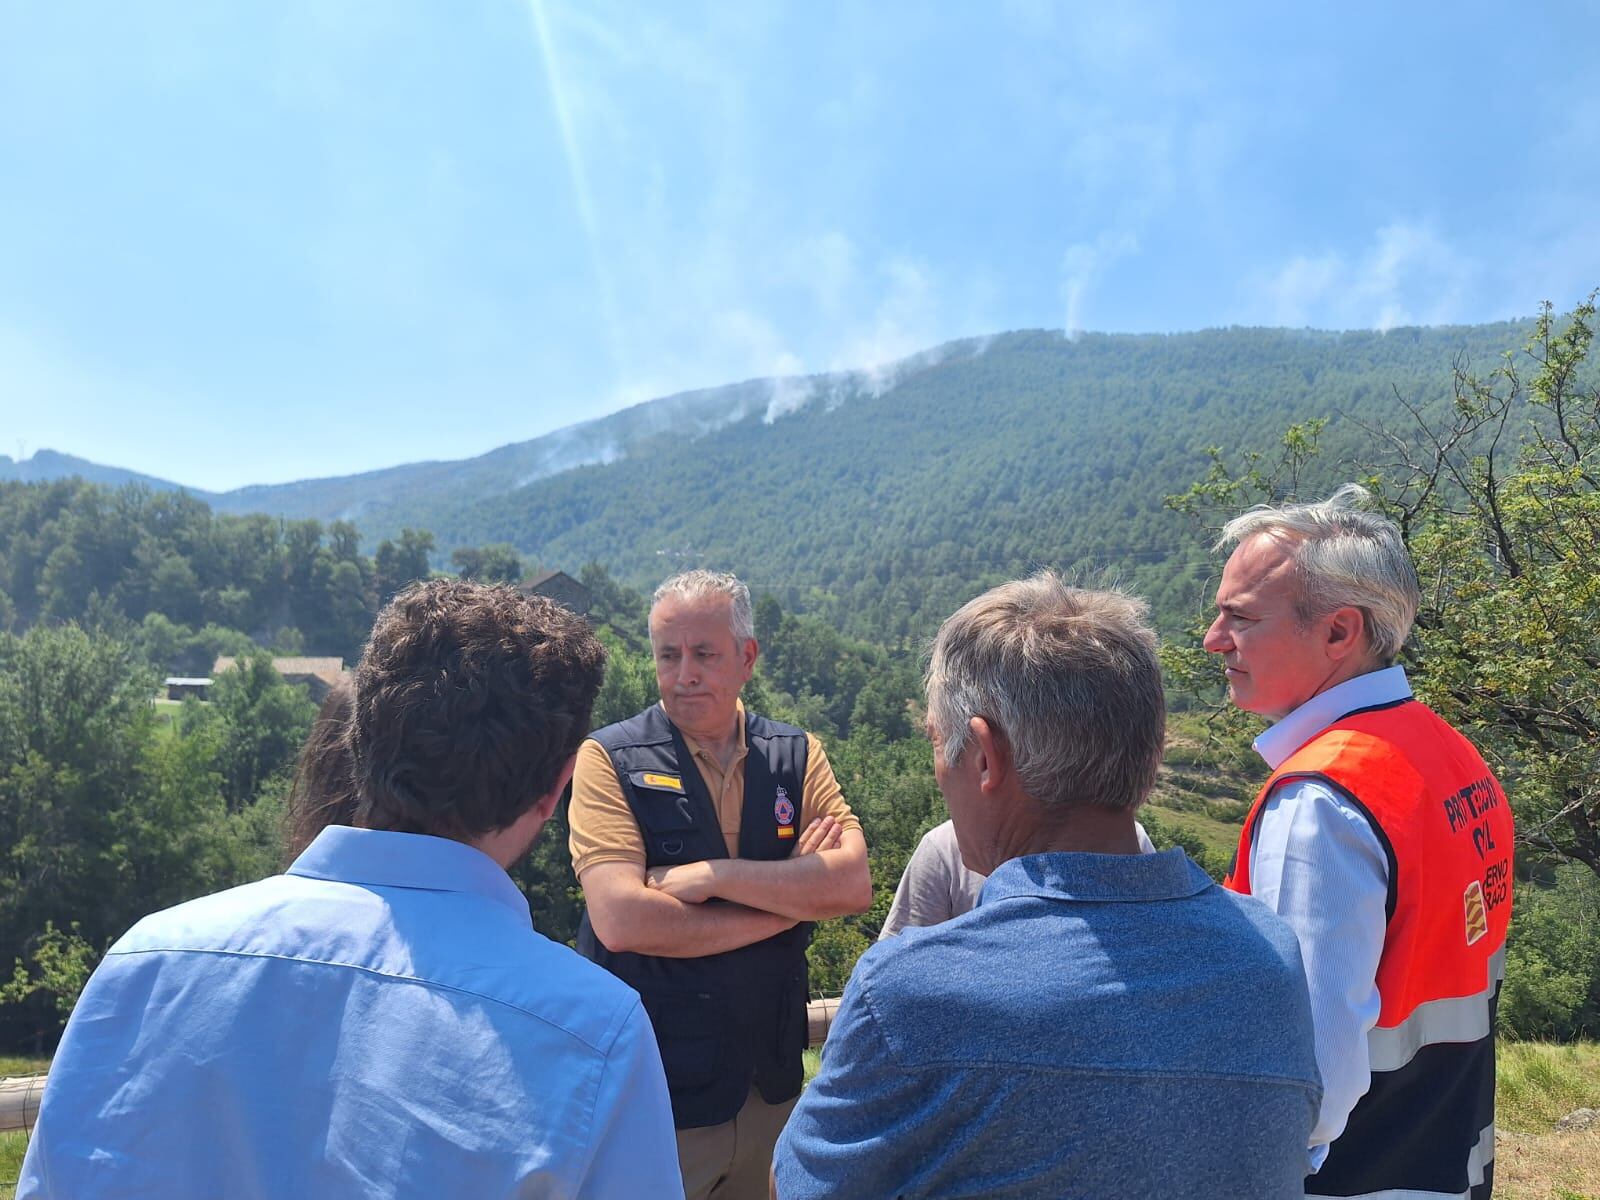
1407, 275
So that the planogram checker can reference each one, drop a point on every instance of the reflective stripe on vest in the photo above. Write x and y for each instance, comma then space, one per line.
1449, 1019
1442, 820
1480, 1173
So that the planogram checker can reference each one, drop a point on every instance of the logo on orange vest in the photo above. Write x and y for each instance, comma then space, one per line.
1477, 914
783, 810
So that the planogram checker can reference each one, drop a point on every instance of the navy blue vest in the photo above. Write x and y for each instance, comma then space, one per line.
725, 1020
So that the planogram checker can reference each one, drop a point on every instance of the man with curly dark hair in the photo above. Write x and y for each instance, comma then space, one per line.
382, 1019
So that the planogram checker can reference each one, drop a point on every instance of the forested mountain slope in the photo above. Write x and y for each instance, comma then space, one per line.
882, 499
386, 500
887, 510
48, 465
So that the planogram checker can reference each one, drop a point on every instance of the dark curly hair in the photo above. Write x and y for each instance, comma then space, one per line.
323, 792
470, 699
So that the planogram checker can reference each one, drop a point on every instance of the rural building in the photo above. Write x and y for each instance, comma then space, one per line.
181, 687
560, 587
317, 675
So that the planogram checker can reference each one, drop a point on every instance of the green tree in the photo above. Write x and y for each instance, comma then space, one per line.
1552, 987
630, 680
1501, 508
402, 562
259, 723
348, 615
488, 564
75, 725
75, 728
62, 963
620, 607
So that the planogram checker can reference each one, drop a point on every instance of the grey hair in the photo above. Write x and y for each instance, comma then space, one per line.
1068, 678
1344, 557
700, 584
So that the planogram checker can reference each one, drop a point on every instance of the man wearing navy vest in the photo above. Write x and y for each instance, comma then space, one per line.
1383, 840
706, 840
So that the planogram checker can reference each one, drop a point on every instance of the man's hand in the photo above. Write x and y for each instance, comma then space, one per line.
696, 882
692, 882
822, 834
631, 916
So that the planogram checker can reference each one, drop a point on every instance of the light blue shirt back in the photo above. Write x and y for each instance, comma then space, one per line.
380, 1020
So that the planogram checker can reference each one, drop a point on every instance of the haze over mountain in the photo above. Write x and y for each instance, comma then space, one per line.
381, 500
881, 495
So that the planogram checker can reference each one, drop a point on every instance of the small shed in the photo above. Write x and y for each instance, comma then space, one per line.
181, 687
560, 587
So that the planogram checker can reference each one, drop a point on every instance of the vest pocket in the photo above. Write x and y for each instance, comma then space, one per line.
667, 824
690, 1028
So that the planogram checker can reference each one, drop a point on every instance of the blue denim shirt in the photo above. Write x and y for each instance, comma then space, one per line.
1099, 1026
382, 1020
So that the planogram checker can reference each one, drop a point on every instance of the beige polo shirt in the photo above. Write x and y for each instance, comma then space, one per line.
603, 829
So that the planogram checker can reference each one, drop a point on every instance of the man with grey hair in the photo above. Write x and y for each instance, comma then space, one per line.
707, 839
1382, 838
1078, 1033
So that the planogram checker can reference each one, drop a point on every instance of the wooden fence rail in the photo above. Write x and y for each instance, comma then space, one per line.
19, 1102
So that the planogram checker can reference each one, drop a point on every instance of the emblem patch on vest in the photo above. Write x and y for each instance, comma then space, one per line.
1477, 913
670, 782
783, 810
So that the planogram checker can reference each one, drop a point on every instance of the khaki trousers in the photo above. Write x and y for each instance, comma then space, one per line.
733, 1161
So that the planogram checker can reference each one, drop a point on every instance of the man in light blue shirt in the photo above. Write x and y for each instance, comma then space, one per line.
1105, 1023
382, 1019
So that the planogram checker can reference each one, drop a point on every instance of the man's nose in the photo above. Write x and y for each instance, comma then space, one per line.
1216, 639
688, 672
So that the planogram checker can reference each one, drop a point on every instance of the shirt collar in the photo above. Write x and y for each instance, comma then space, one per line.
699, 751
1282, 739
380, 858
1168, 875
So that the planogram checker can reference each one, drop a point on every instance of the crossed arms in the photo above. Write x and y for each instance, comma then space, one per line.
663, 911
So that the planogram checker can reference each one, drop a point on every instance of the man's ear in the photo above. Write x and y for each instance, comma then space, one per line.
1346, 633
994, 756
748, 653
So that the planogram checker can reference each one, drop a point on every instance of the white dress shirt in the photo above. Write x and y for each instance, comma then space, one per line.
1317, 863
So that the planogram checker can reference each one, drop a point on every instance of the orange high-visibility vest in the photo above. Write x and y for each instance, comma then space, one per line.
1426, 1125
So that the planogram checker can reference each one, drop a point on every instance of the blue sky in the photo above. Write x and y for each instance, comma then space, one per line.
258, 242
